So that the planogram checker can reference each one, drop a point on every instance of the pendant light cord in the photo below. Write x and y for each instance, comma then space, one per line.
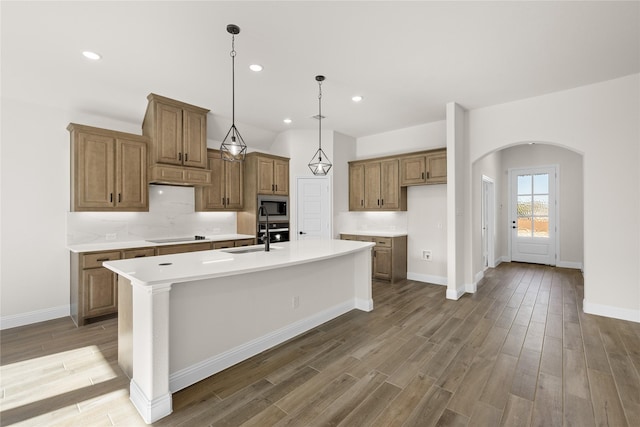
320, 115
233, 79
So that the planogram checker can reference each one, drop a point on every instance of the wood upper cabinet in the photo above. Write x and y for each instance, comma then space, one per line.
226, 190
108, 170
356, 187
270, 173
424, 168
374, 185
178, 132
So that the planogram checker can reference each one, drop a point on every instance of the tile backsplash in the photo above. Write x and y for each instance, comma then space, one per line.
374, 221
171, 214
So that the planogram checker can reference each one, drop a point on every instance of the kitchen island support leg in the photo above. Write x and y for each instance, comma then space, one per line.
149, 389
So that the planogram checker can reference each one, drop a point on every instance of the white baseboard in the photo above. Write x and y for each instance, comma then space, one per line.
455, 294
427, 278
569, 264
609, 311
150, 410
201, 370
15, 320
363, 304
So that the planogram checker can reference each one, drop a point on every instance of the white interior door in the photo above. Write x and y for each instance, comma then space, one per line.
313, 208
488, 222
533, 215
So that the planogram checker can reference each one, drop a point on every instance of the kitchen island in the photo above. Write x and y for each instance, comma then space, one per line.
184, 317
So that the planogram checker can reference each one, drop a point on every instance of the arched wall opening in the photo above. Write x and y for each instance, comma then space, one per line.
526, 154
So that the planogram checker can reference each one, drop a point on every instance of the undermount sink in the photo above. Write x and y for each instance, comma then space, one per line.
247, 250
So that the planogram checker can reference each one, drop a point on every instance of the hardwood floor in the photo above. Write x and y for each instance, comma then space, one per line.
519, 352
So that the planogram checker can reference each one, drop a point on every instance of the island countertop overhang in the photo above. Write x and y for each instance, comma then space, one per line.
192, 266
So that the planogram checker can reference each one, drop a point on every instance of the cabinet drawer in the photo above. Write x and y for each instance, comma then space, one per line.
138, 253
95, 260
189, 247
244, 242
224, 244
383, 241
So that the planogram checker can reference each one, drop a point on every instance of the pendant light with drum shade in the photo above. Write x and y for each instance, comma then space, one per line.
233, 148
320, 163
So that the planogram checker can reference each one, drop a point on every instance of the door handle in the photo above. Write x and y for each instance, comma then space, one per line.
513, 226
302, 232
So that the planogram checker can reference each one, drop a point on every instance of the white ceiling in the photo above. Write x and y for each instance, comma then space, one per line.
408, 59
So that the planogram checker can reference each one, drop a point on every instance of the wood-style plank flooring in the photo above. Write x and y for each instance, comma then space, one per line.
519, 352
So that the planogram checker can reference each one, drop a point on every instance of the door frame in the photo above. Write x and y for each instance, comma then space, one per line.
555, 206
327, 180
488, 194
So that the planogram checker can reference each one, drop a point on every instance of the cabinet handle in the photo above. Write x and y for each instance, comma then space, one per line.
382, 202
276, 187
180, 156
186, 157
422, 175
139, 256
102, 259
361, 202
427, 174
227, 201
223, 201
119, 197
378, 202
273, 187
111, 197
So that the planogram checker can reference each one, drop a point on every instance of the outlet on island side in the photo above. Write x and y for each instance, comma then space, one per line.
426, 255
110, 236
295, 302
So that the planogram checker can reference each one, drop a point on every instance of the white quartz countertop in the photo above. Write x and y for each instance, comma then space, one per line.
113, 246
201, 265
375, 233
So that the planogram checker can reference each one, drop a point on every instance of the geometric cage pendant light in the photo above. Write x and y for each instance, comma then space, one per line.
233, 148
320, 163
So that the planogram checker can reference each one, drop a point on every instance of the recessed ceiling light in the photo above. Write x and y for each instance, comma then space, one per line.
255, 67
356, 98
91, 55
287, 121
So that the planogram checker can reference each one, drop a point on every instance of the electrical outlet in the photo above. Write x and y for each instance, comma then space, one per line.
111, 236
295, 302
426, 255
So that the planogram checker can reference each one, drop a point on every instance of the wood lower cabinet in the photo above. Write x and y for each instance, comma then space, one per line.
108, 170
93, 288
227, 244
389, 256
226, 190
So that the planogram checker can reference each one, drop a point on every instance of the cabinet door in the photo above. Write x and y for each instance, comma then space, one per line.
226, 244
131, 175
413, 170
244, 242
389, 185
94, 172
212, 197
281, 177
356, 187
194, 139
265, 176
100, 292
437, 168
372, 186
168, 135
382, 263
188, 247
233, 177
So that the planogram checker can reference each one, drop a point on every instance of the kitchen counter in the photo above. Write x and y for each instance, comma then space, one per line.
375, 233
118, 245
185, 317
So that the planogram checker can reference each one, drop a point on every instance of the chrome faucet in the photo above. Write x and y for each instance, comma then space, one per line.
267, 238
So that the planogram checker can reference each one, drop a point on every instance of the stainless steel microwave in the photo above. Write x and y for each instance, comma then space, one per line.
276, 206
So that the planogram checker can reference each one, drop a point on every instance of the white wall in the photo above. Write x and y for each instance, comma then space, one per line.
344, 150
34, 281
601, 122
425, 220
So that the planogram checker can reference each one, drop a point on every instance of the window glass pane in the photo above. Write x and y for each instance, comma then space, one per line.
524, 184
524, 227
541, 183
541, 205
541, 226
524, 206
